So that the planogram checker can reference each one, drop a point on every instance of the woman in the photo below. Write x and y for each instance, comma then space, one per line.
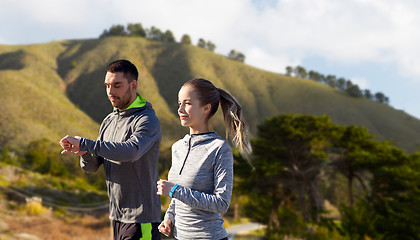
201, 176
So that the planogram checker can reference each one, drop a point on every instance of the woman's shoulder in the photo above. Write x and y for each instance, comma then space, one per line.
181, 142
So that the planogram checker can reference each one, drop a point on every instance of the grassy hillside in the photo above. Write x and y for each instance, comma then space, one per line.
34, 103
57, 88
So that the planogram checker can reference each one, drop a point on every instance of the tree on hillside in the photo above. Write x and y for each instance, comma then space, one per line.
386, 100
154, 34
391, 207
331, 81
235, 55
168, 36
314, 76
186, 39
352, 148
349, 84
288, 156
201, 43
289, 71
380, 97
210, 46
341, 84
300, 72
353, 89
136, 29
367, 94
115, 30
41, 157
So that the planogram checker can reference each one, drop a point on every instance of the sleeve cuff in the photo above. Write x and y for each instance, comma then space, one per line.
173, 190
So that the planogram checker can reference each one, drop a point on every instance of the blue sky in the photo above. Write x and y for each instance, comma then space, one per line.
374, 43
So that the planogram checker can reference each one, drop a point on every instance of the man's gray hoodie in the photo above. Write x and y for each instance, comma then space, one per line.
202, 165
128, 147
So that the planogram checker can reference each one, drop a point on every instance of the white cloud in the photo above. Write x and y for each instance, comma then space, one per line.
272, 34
351, 31
260, 58
361, 82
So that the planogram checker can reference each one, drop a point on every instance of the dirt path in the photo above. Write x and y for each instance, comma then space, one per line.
242, 229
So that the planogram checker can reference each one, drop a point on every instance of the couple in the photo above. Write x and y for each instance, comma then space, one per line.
201, 176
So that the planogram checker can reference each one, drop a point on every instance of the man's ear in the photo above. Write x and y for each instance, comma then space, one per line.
133, 85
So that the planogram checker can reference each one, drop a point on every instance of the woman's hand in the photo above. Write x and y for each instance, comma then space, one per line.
164, 187
165, 227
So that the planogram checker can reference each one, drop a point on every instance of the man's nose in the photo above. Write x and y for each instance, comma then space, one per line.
111, 90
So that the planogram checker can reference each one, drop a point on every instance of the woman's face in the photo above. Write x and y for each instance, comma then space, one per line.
190, 111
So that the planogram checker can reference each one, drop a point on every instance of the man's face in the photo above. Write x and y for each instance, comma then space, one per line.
120, 92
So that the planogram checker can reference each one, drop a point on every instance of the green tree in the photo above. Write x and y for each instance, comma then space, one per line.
168, 36
353, 147
393, 201
380, 97
367, 94
41, 156
300, 72
154, 34
289, 71
235, 55
354, 90
386, 100
201, 43
331, 81
136, 30
210, 46
349, 84
341, 84
186, 39
115, 30
314, 75
289, 153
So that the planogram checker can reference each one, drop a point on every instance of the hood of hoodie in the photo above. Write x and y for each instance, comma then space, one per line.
130, 111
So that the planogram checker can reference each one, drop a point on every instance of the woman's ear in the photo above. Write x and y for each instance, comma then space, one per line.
207, 109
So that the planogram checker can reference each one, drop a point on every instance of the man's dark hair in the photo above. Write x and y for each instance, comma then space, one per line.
124, 66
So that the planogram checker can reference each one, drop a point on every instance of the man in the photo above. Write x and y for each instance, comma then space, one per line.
128, 147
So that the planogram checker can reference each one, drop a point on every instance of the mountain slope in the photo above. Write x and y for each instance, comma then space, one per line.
34, 104
59, 87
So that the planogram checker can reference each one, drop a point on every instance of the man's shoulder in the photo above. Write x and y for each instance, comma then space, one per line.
145, 114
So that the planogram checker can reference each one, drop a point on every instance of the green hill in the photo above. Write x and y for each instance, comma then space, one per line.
52, 89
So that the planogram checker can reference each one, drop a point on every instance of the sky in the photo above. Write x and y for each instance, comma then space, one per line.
373, 43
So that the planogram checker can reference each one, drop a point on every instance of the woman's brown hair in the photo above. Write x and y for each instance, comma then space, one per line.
235, 124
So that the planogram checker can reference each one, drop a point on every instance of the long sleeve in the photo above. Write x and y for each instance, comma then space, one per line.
90, 163
147, 133
219, 200
170, 212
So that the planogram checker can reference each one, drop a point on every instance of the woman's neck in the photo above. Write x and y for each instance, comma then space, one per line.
198, 130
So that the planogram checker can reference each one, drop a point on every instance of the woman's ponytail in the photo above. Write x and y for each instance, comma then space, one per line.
236, 126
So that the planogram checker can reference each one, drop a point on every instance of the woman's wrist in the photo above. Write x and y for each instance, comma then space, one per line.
173, 190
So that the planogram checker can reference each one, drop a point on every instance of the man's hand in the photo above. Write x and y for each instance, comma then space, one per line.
164, 187
71, 145
165, 227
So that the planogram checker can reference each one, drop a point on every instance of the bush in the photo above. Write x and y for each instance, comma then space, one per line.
34, 208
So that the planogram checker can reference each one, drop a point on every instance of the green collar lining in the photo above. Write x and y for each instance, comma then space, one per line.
139, 102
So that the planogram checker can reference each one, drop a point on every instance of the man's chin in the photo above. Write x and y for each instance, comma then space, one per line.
115, 105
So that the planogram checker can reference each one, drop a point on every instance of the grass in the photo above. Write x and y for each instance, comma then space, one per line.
56, 88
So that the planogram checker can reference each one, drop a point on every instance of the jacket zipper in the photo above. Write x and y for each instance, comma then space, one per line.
116, 125
188, 152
